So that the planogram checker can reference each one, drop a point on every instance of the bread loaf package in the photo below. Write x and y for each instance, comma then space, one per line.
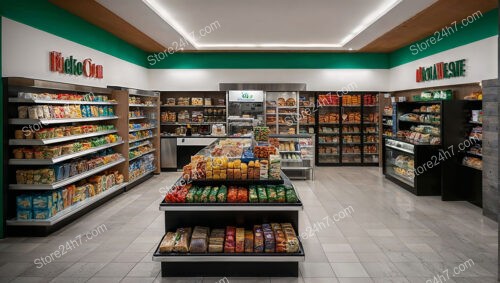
292, 243
279, 237
240, 240
258, 244
167, 243
248, 241
216, 242
269, 241
182, 240
199, 240
230, 243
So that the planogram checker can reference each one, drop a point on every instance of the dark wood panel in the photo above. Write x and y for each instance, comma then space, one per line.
100, 16
423, 24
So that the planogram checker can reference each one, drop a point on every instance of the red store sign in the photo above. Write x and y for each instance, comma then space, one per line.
71, 66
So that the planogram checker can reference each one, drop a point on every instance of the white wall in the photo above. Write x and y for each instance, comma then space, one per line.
481, 64
25, 53
316, 79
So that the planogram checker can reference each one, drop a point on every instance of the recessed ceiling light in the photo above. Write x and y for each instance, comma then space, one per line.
156, 7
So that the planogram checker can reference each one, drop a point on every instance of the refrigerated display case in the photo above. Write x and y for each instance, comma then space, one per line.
408, 165
297, 154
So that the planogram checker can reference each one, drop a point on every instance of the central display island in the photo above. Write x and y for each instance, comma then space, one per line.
244, 225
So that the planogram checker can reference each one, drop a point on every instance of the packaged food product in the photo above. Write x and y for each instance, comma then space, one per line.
232, 194
42, 214
19, 134
216, 241
199, 240
280, 194
222, 194
261, 192
182, 240
248, 241
24, 214
258, 245
240, 240
24, 202
291, 196
269, 241
213, 194
205, 194
230, 242
242, 195
292, 243
252, 194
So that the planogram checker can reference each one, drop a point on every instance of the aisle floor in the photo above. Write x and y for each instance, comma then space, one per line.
390, 235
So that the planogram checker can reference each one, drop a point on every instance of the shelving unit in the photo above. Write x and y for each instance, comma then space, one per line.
221, 215
210, 109
144, 109
281, 116
300, 146
23, 133
347, 129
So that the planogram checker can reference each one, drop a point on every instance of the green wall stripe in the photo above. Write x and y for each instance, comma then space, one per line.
45, 16
482, 28
269, 60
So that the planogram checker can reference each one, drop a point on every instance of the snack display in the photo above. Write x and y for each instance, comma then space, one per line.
65, 111
141, 100
265, 238
261, 133
221, 194
63, 131
49, 152
41, 206
140, 166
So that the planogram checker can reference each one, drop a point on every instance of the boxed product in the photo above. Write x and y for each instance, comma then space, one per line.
42, 213
42, 201
24, 214
24, 202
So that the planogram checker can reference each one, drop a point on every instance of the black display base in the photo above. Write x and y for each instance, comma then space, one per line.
229, 269
405, 186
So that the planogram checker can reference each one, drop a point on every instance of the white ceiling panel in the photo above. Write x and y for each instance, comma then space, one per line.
266, 24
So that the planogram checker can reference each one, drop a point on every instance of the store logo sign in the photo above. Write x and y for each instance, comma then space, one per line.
441, 71
71, 66
246, 95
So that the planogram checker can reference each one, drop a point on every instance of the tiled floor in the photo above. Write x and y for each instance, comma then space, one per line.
390, 236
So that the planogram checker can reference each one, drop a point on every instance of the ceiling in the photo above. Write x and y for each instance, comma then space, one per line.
273, 25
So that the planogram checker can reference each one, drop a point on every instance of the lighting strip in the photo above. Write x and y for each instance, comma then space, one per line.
367, 22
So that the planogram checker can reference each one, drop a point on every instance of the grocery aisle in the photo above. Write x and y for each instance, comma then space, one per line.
390, 236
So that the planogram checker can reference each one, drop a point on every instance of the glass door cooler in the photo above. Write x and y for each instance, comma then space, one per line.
409, 165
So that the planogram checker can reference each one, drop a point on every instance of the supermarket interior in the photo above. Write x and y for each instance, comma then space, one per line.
249, 141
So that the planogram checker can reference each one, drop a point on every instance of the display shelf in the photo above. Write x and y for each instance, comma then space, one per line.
133, 158
230, 257
190, 123
58, 140
289, 151
193, 106
142, 176
421, 123
476, 168
51, 101
237, 182
137, 118
328, 143
164, 206
353, 133
475, 123
142, 105
66, 181
142, 129
68, 211
328, 134
139, 145
61, 158
141, 139
19, 121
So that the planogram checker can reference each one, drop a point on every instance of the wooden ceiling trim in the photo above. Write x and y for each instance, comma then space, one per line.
100, 16
435, 17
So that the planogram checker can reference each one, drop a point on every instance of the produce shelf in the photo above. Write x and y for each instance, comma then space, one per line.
61, 158
68, 211
66, 181
19, 121
57, 140
51, 101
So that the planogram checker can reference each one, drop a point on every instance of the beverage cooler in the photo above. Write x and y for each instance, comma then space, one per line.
412, 166
245, 110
